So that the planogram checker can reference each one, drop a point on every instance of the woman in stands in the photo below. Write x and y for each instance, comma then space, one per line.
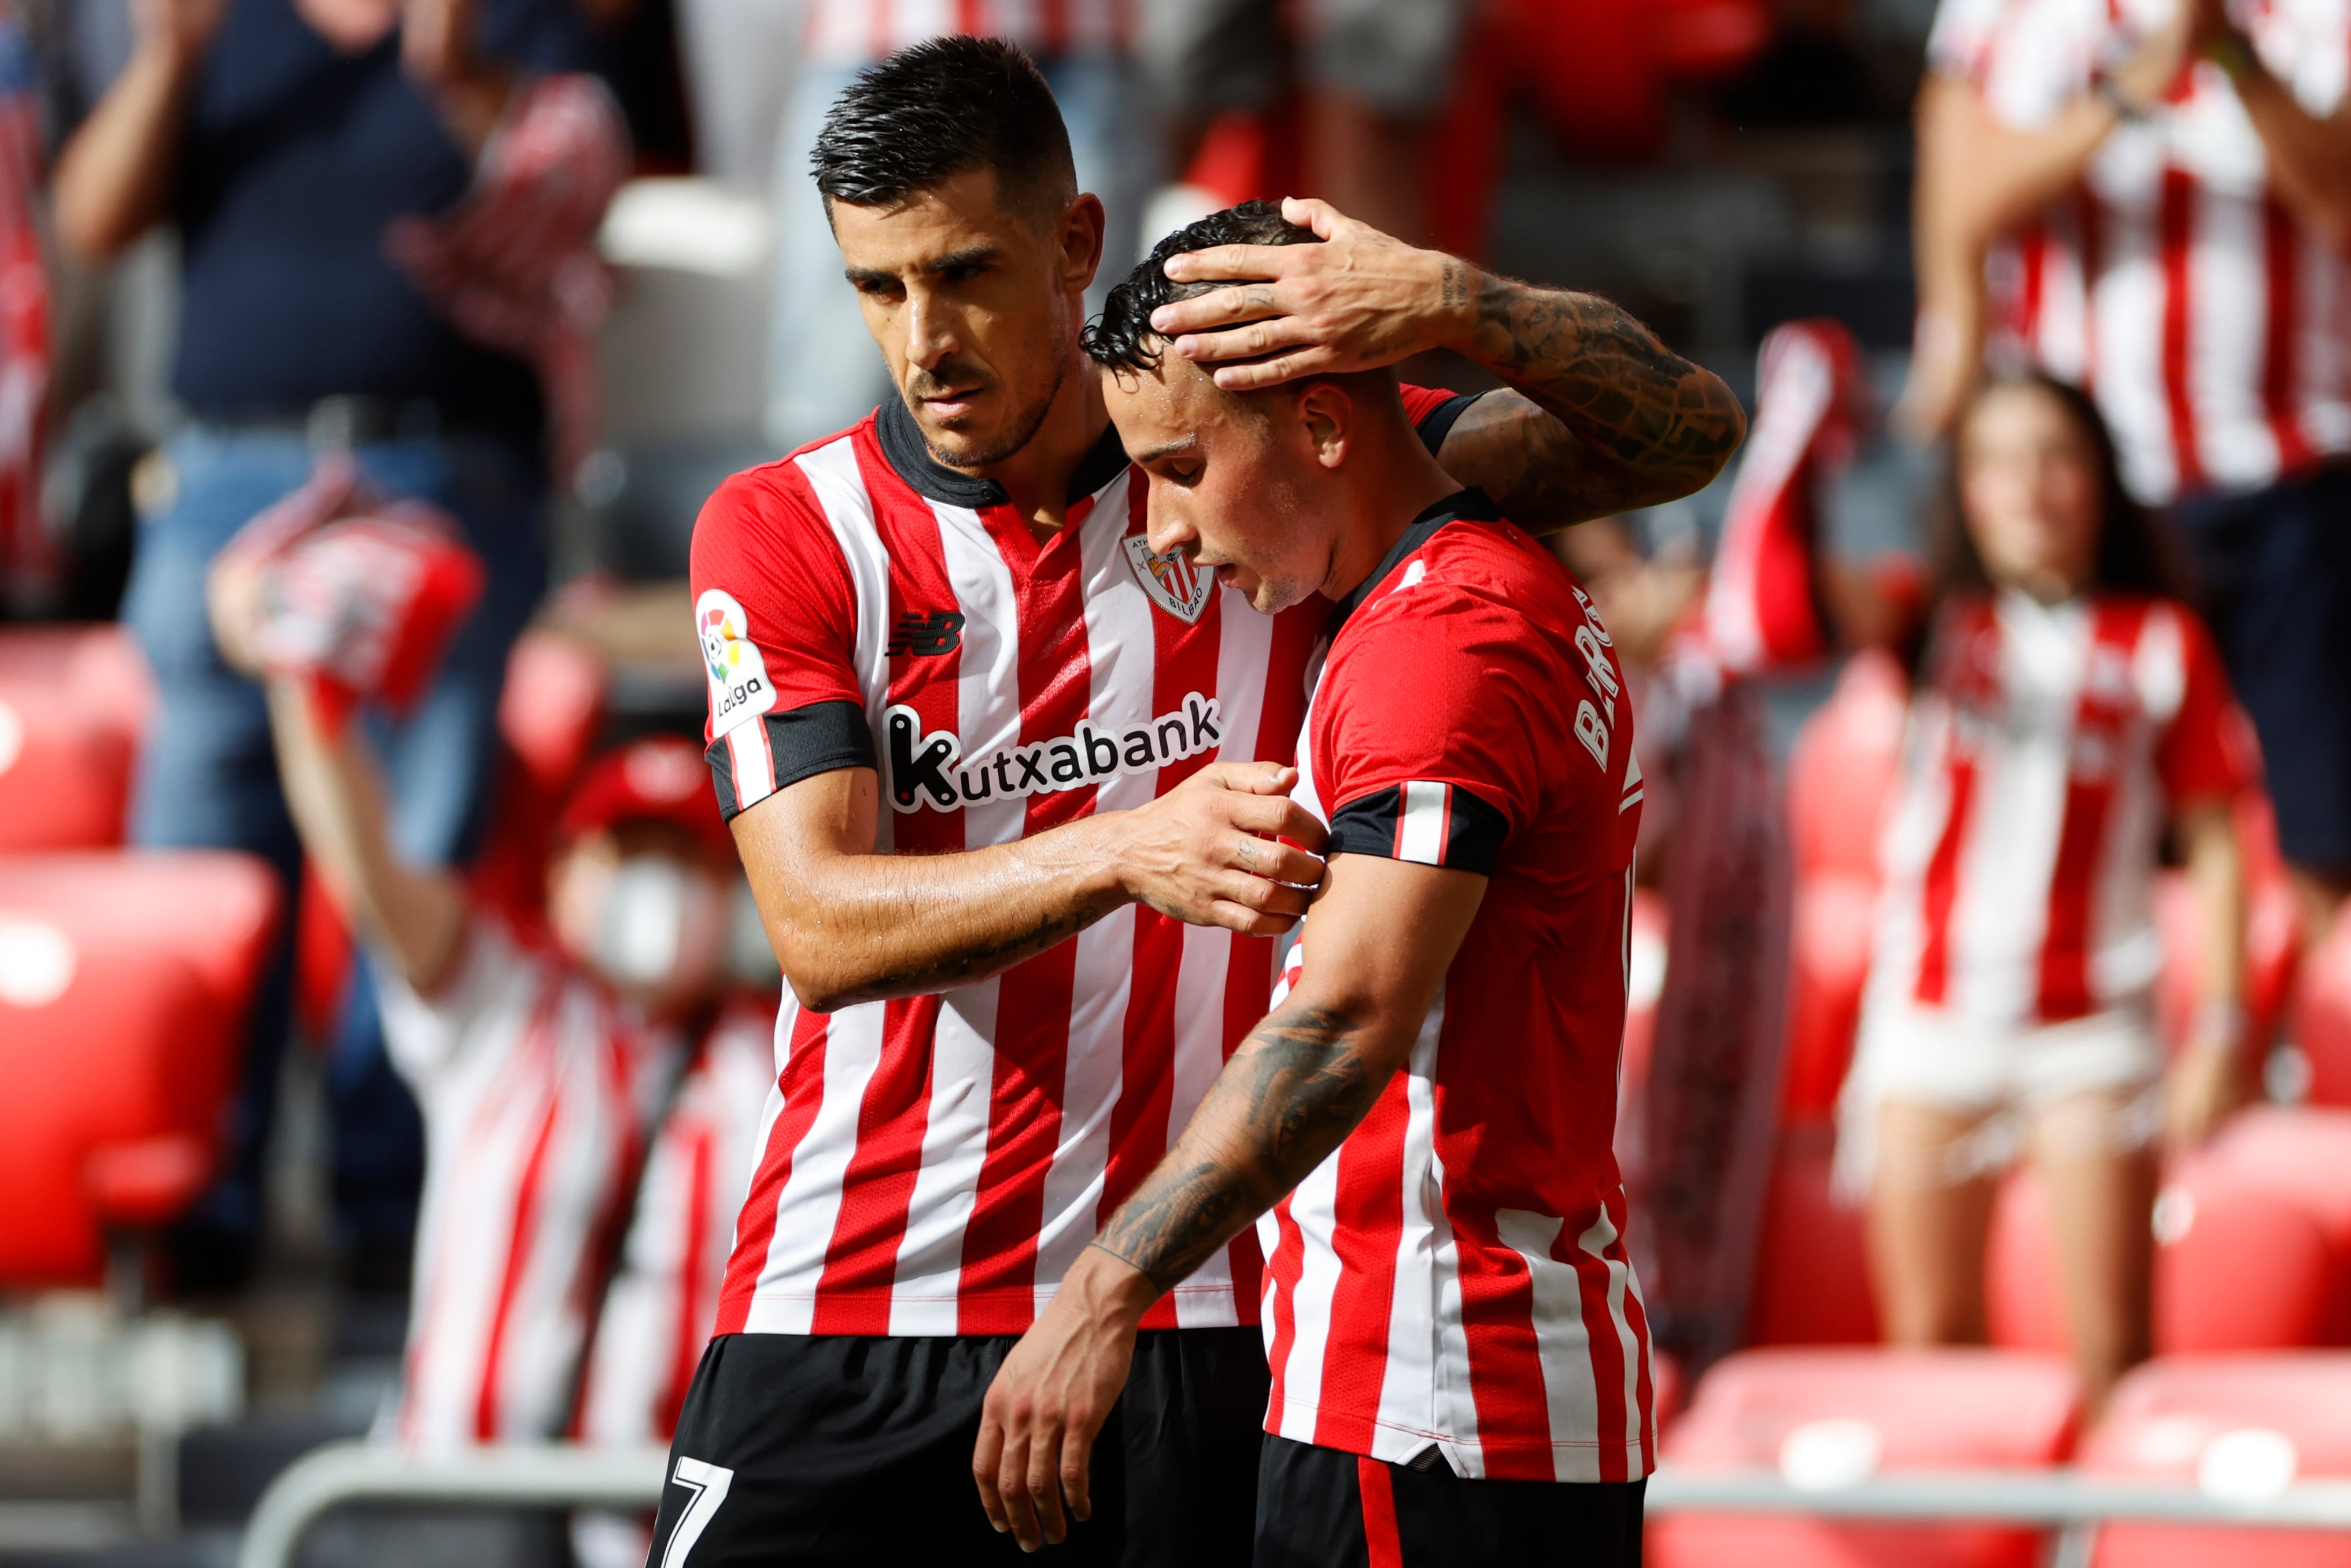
2070, 709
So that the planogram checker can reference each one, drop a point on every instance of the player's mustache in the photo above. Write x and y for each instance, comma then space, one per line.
951, 376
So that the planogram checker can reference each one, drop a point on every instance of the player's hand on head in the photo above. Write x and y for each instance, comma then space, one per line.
1358, 300
1210, 850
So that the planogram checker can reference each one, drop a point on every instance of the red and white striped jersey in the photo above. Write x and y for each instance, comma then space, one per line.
2172, 281
932, 1165
1456, 1272
2047, 748
529, 1081
859, 32
664, 1298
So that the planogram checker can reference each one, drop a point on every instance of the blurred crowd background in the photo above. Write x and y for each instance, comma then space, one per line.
548, 270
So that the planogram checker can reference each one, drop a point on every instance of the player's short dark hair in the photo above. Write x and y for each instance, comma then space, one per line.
935, 110
1119, 337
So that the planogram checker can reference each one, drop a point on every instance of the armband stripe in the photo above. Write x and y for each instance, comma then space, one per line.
1425, 822
752, 761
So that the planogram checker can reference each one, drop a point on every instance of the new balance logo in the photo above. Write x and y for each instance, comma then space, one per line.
927, 770
940, 631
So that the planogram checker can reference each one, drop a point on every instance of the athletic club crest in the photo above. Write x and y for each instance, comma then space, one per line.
1172, 581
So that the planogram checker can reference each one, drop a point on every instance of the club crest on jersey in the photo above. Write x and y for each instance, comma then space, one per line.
1173, 582
929, 770
739, 687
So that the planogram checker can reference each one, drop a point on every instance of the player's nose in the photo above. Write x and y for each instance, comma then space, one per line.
1168, 532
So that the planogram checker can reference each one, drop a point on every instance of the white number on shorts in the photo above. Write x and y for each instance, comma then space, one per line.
709, 1483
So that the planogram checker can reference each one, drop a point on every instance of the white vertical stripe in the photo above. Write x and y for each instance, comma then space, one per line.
1409, 1397
987, 685
810, 1195
752, 761
1312, 1209
1420, 830
2127, 312
955, 1144
840, 489
1596, 1243
2228, 333
1562, 1346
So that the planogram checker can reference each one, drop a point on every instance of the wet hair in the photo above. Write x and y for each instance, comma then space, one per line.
939, 108
2136, 553
1120, 337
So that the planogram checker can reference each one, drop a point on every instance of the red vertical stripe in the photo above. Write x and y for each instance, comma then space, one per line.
1054, 14
1368, 1208
1033, 1001
879, 1182
519, 1244
1383, 1547
2032, 286
802, 1086
1287, 1262
693, 1315
1606, 1351
1506, 1374
1942, 888
2175, 241
2281, 357
2094, 754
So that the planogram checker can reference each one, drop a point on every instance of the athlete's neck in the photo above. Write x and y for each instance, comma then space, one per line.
1037, 477
1389, 483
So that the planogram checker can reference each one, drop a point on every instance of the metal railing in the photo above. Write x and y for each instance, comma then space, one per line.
567, 1476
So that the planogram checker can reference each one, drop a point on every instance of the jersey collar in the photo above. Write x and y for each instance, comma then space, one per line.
1472, 504
910, 456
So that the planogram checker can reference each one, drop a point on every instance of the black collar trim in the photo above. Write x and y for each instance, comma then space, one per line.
1472, 504
909, 456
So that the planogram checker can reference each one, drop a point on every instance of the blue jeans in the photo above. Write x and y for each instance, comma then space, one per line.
209, 774
824, 372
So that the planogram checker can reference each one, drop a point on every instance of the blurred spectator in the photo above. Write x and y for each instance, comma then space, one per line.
285, 137
823, 373
2069, 705
572, 1079
739, 56
1376, 74
27, 555
2149, 199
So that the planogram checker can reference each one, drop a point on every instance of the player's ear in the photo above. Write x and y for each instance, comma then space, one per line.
1328, 415
1082, 227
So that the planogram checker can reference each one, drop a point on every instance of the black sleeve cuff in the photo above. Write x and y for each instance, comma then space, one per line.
1425, 822
1439, 422
779, 749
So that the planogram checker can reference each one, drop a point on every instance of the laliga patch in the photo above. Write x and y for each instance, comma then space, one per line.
1172, 581
739, 688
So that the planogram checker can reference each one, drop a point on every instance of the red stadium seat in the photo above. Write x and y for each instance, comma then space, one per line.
73, 703
1853, 1411
1811, 1263
2223, 1421
2238, 1266
2273, 940
1836, 919
2322, 1023
124, 980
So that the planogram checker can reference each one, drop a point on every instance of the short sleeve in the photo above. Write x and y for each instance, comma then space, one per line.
485, 997
774, 612
1434, 411
2207, 749
1424, 731
1959, 45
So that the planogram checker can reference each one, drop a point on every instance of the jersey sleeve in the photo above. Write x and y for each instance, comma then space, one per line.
1433, 411
1423, 737
774, 612
2207, 749
427, 1034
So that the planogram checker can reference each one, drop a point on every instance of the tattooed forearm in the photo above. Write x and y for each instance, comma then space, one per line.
978, 963
1611, 418
1290, 1094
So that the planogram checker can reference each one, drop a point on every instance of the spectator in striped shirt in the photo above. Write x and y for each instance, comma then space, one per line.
1427, 1111
2148, 198
2070, 707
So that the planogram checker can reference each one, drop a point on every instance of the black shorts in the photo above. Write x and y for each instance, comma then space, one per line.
1320, 1508
852, 1450
2275, 567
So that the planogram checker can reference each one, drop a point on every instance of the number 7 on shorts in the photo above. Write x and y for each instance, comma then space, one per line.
709, 1483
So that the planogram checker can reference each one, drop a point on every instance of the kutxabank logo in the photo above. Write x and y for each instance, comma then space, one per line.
928, 769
